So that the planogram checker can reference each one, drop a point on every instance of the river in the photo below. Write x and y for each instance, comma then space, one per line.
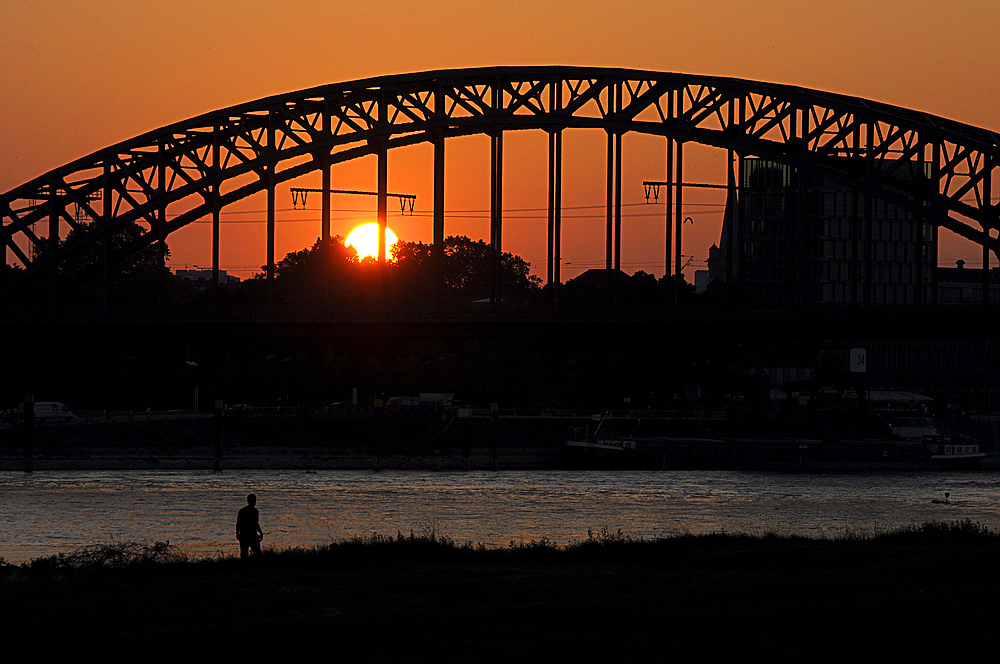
45, 513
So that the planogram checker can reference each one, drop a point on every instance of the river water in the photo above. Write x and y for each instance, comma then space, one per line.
44, 513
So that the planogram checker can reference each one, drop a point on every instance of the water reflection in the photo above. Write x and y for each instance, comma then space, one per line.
44, 513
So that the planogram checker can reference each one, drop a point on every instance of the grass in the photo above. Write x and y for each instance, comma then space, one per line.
911, 593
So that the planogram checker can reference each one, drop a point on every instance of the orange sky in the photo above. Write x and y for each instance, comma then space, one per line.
77, 77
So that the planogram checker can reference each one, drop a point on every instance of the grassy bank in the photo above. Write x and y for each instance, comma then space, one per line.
914, 593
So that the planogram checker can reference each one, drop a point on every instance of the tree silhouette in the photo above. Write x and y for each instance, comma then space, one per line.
328, 274
133, 278
468, 266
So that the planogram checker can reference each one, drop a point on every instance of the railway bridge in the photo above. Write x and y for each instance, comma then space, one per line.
941, 172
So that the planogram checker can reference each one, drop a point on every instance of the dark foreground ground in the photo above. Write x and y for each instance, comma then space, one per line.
929, 594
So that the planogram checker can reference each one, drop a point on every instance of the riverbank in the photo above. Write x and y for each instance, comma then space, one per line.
186, 442
921, 593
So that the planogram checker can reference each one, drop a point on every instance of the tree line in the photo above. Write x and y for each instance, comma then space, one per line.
330, 274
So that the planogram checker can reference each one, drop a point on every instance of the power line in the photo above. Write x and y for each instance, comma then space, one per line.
484, 214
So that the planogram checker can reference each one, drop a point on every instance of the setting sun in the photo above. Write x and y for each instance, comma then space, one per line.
364, 238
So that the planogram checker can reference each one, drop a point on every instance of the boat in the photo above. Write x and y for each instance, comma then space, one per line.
588, 449
942, 451
960, 453
612, 445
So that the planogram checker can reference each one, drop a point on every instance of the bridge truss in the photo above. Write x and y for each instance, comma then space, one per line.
941, 171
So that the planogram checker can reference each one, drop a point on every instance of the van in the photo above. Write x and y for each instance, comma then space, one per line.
49, 411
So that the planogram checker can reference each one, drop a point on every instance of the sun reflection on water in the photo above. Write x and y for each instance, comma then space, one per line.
45, 513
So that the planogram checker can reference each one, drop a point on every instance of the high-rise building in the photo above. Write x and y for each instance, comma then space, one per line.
803, 239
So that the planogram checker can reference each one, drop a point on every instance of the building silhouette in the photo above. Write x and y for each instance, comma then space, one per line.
803, 239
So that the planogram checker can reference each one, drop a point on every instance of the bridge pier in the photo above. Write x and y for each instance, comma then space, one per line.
324, 230
439, 218
383, 185
988, 196
679, 220
326, 185
161, 223
555, 213
108, 214
53, 241
731, 196
855, 245
618, 204
612, 250
496, 212
557, 258
668, 225
383, 220
216, 209
270, 211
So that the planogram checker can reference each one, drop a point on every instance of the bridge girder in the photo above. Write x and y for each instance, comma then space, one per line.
941, 170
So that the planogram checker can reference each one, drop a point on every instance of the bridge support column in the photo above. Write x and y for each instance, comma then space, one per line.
987, 195
679, 220
106, 240
324, 230
855, 245
730, 227
869, 282
555, 213
439, 218
383, 221
550, 250
270, 211
215, 217
53, 243
161, 225
920, 220
802, 214
614, 230
496, 213
270, 235
855, 224
612, 249
935, 214
868, 223
557, 257
986, 269
618, 206
383, 213
668, 226
326, 255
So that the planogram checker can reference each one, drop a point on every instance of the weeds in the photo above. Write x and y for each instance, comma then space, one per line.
952, 531
114, 555
431, 547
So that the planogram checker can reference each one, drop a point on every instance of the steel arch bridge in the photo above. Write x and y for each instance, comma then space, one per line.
940, 170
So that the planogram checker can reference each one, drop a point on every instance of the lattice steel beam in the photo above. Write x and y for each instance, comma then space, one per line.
913, 160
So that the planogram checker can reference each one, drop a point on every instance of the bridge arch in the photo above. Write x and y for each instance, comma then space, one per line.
939, 170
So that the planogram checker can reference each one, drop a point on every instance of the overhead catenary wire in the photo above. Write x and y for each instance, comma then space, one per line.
511, 214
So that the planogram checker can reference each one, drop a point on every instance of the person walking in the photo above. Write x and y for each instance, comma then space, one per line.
248, 530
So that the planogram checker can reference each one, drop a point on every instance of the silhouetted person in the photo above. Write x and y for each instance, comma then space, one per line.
248, 530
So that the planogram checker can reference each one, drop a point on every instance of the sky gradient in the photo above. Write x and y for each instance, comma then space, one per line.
79, 76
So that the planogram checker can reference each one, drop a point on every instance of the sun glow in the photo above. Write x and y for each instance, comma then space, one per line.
364, 238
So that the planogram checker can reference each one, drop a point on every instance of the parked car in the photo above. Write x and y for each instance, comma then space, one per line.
49, 411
